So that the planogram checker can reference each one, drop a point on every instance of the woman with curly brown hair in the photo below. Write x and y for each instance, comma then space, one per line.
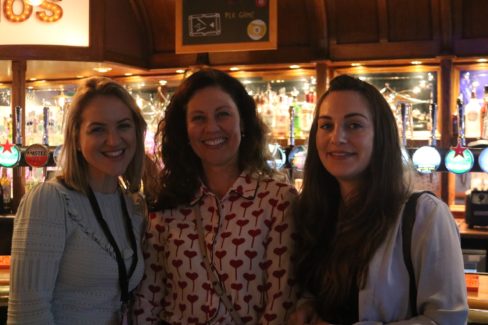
218, 249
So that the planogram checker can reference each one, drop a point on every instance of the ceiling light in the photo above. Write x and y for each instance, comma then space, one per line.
234, 69
482, 60
128, 74
180, 71
33, 79
102, 69
355, 64
416, 62
294, 66
163, 82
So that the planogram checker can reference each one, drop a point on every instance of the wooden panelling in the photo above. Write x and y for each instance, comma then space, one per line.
124, 40
470, 32
353, 21
474, 19
409, 20
382, 29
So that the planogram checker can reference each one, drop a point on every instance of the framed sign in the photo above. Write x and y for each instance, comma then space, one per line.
225, 25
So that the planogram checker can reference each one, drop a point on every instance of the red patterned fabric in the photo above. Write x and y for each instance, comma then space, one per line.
248, 234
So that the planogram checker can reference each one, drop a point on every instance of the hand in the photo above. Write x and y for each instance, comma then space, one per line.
305, 315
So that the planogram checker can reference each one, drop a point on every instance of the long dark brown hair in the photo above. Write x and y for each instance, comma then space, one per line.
180, 177
336, 240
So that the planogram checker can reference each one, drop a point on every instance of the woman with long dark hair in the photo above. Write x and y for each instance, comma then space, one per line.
350, 264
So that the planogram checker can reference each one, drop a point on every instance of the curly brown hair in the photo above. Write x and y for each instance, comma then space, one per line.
180, 177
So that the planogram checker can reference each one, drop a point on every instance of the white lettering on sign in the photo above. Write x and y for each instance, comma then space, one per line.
53, 22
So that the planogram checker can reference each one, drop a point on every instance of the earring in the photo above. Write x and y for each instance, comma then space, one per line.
243, 134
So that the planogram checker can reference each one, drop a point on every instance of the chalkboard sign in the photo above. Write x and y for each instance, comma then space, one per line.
225, 25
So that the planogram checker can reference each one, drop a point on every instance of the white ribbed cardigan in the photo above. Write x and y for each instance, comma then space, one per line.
63, 269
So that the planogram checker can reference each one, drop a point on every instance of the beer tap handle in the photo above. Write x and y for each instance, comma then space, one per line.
403, 111
45, 138
18, 125
433, 120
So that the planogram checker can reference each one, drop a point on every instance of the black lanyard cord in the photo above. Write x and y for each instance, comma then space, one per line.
123, 276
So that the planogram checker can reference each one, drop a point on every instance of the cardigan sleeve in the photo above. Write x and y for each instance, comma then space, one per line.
37, 248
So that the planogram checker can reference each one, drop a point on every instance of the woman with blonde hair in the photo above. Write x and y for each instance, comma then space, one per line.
76, 253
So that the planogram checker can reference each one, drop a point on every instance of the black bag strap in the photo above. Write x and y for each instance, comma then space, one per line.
408, 220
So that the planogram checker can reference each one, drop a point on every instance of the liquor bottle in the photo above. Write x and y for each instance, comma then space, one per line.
472, 113
6, 191
484, 115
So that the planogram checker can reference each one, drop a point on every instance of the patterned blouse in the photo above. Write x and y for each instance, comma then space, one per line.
248, 235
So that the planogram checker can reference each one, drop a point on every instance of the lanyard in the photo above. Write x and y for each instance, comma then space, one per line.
123, 276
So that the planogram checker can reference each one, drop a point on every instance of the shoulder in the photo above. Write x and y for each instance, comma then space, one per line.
276, 186
43, 194
434, 217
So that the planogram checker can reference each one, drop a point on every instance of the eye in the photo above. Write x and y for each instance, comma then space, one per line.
197, 118
355, 125
326, 126
125, 125
96, 129
221, 114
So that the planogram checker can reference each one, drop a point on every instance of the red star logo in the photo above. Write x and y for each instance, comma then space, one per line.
459, 150
7, 146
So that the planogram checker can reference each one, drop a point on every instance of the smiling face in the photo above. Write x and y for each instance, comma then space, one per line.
213, 126
107, 140
345, 136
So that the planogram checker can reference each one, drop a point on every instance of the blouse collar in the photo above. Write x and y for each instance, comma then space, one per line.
245, 186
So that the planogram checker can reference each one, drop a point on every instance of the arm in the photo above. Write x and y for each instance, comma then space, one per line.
281, 294
37, 247
149, 294
438, 265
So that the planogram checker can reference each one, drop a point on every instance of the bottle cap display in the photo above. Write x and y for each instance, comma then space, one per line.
9, 155
36, 155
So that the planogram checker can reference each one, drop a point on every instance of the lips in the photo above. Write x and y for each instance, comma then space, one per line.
114, 153
215, 142
340, 154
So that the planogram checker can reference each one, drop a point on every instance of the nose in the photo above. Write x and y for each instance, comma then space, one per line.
211, 124
113, 137
338, 135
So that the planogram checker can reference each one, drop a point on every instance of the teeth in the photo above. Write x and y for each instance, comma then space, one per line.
113, 153
214, 142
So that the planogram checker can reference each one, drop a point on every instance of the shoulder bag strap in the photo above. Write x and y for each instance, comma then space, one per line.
408, 220
217, 286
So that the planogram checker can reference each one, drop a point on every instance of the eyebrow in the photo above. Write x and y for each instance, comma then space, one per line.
346, 116
101, 123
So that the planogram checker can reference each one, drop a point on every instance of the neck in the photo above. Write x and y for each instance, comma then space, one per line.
347, 189
219, 180
104, 185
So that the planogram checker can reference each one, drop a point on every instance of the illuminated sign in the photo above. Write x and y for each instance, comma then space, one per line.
426, 159
459, 160
9, 155
52, 22
36, 155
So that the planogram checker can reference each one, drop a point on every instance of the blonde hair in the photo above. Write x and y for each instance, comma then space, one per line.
73, 165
